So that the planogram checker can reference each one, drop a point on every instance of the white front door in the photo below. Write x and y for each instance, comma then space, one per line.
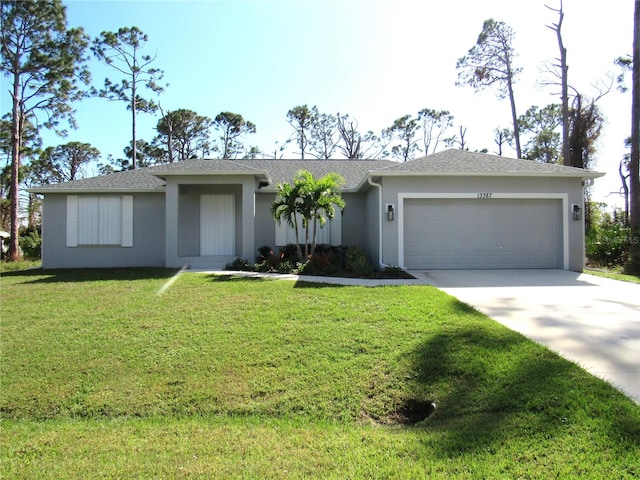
217, 225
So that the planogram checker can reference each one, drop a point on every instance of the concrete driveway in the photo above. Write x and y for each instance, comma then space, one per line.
590, 320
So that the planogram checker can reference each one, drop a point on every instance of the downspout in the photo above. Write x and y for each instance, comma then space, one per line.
379, 187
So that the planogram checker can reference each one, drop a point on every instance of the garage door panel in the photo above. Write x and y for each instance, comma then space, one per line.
471, 233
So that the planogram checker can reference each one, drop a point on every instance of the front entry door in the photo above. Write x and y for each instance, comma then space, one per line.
217, 225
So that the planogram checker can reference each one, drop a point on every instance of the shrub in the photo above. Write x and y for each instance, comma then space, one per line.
288, 266
322, 259
393, 271
610, 247
264, 267
284, 262
239, 264
31, 242
327, 261
608, 240
356, 262
267, 261
289, 252
265, 253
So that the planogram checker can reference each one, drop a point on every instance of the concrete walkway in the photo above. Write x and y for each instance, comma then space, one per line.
590, 320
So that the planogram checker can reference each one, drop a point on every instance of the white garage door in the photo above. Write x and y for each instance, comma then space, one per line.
482, 234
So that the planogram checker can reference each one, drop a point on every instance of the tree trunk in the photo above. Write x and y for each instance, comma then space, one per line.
625, 189
14, 239
297, 230
170, 141
634, 164
226, 140
566, 150
314, 236
514, 115
133, 125
577, 134
564, 69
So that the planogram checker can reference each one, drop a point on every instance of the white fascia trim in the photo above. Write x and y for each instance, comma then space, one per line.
494, 195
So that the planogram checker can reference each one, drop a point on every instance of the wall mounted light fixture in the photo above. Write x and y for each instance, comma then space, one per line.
575, 211
390, 211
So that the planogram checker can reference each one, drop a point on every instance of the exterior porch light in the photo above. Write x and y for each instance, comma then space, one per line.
576, 211
390, 212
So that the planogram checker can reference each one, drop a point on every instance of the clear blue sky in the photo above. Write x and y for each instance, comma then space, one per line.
375, 60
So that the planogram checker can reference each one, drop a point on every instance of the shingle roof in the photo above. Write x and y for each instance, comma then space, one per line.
355, 172
129, 180
204, 166
461, 162
274, 171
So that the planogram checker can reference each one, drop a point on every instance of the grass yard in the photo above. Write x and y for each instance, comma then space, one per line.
226, 377
613, 275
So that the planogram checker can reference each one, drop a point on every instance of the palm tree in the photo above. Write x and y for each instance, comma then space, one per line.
287, 207
319, 199
313, 201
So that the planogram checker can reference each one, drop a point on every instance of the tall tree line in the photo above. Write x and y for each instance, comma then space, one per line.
46, 65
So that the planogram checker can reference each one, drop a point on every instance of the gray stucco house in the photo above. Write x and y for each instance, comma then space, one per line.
450, 210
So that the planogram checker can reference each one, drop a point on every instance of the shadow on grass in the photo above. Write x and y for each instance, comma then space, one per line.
257, 277
234, 278
497, 388
91, 274
302, 283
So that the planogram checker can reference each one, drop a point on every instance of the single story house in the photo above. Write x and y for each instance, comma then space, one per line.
451, 210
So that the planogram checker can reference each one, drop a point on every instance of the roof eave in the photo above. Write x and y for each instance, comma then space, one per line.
273, 189
261, 174
583, 175
365, 180
44, 191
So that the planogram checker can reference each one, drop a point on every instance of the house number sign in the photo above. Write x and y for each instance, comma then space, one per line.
484, 195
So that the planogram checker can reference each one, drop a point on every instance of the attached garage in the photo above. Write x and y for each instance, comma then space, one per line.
468, 210
483, 233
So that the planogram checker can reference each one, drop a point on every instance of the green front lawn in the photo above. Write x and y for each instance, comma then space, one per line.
226, 377
26, 264
615, 275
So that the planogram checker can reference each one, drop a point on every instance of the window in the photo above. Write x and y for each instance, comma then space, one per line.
329, 234
99, 220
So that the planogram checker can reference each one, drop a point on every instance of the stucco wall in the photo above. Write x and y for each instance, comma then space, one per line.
148, 237
372, 229
354, 220
182, 204
572, 187
265, 232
